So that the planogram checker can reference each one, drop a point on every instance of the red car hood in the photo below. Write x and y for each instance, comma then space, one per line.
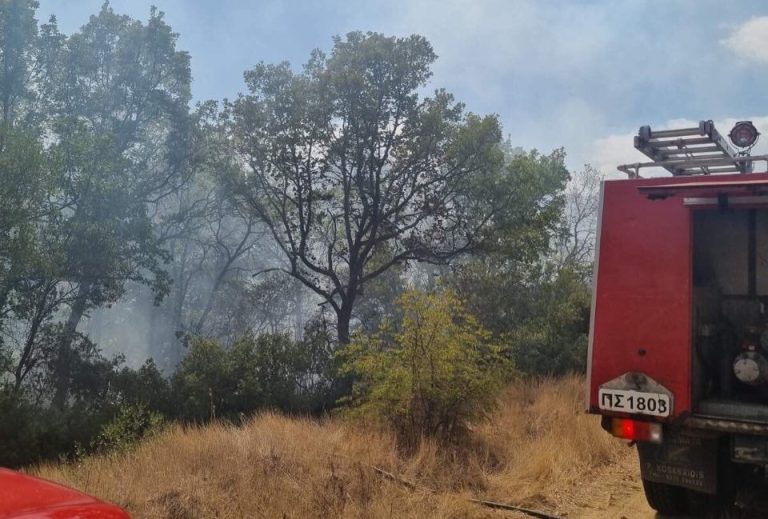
25, 497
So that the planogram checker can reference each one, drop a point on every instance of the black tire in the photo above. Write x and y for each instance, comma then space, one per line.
721, 504
665, 499
701, 505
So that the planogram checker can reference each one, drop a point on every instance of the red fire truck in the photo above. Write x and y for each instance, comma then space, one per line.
678, 355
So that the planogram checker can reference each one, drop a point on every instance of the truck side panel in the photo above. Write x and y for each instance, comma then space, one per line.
642, 313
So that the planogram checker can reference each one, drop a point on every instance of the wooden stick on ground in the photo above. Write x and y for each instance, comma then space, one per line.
505, 506
483, 502
398, 479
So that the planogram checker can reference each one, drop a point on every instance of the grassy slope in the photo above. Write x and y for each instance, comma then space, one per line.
539, 450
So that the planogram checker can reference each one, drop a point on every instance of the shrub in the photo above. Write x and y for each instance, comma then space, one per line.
434, 376
131, 424
200, 381
146, 386
266, 371
553, 340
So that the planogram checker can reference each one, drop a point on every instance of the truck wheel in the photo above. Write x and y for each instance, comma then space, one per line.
665, 499
714, 505
700, 504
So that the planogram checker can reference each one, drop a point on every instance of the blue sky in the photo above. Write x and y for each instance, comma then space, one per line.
578, 74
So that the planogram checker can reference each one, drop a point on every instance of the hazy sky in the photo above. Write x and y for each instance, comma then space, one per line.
578, 74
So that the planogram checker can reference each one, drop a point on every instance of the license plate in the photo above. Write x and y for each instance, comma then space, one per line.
634, 402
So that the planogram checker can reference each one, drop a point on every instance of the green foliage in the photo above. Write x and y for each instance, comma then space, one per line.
347, 160
131, 424
541, 313
110, 187
91, 135
267, 371
25, 254
553, 339
120, 96
143, 387
527, 195
200, 380
109, 408
434, 376
529, 287
323, 385
18, 33
378, 302
25, 438
32, 432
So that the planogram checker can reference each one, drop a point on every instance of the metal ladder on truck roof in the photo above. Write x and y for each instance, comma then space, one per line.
688, 151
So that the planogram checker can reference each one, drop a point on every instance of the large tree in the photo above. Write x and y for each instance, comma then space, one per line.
354, 172
26, 186
120, 120
98, 124
530, 288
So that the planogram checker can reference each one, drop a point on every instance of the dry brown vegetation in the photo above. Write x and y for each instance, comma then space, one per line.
539, 449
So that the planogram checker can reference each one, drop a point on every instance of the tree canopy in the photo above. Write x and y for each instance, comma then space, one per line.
353, 172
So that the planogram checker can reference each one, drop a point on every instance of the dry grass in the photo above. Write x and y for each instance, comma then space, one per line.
536, 449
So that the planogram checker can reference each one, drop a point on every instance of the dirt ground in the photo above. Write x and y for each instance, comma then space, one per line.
614, 492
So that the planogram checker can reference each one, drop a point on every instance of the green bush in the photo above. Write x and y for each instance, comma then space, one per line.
267, 371
131, 424
434, 376
540, 312
146, 386
553, 340
200, 381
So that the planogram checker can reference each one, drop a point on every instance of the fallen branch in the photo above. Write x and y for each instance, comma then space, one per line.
490, 504
398, 479
506, 506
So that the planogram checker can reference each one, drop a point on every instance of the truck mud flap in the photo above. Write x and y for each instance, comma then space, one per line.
688, 461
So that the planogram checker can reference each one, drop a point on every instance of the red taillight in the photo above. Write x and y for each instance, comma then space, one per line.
636, 430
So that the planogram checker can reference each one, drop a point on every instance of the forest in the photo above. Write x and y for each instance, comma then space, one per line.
343, 236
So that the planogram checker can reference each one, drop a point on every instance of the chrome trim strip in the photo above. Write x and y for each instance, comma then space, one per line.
725, 425
732, 200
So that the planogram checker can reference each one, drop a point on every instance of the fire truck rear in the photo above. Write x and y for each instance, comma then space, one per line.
678, 355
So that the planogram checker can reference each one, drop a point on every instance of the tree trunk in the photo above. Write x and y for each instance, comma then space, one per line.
4, 293
343, 317
172, 338
298, 311
26, 360
61, 374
